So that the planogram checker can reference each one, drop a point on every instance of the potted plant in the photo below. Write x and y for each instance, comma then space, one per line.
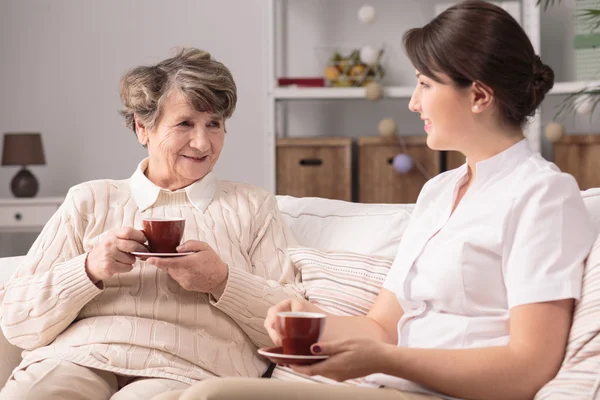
590, 18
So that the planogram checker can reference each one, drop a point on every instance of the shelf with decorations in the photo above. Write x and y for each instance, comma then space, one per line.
284, 54
332, 93
394, 92
571, 115
573, 87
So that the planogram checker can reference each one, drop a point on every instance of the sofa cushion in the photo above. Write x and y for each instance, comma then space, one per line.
10, 355
8, 266
342, 283
591, 198
579, 375
340, 225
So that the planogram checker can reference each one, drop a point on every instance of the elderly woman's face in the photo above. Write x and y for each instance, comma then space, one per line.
184, 145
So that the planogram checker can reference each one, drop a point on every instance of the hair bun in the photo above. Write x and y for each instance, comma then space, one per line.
543, 77
541, 83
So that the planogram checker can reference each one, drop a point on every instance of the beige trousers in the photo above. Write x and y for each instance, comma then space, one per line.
271, 389
54, 379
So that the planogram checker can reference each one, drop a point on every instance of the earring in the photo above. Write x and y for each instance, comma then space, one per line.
476, 107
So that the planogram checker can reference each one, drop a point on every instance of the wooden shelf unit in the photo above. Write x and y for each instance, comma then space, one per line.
379, 182
315, 167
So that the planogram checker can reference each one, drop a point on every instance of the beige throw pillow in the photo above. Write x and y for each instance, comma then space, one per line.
341, 283
579, 375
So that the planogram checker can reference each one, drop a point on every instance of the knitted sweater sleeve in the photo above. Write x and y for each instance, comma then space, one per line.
249, 295
51, 286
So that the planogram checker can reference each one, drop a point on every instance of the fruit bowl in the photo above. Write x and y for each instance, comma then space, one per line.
349, 69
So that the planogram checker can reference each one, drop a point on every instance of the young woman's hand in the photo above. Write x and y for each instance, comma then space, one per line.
348, 359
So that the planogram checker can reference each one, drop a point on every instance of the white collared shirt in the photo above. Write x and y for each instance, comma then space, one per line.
145, 193
520, 235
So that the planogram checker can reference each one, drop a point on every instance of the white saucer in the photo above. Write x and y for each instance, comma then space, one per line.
275, 354
148, 255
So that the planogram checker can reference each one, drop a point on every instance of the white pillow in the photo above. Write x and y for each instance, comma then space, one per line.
8, 266
591, 198
341, 283
579, 377
10, 356
373, 229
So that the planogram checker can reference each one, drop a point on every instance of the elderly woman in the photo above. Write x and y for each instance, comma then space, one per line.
97, 322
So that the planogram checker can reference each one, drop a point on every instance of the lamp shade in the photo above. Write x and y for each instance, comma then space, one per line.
23, 149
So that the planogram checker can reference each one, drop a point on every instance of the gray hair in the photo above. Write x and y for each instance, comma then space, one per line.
207, 84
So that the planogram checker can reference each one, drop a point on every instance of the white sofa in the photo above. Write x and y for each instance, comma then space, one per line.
373, 229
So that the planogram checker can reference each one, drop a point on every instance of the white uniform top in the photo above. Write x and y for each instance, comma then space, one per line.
520, 235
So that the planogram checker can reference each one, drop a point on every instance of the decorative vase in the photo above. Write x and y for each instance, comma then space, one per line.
24, 184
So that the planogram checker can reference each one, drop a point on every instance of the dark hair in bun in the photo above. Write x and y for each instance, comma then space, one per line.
477, 41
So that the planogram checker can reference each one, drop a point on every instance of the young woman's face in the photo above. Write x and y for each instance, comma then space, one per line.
445, 111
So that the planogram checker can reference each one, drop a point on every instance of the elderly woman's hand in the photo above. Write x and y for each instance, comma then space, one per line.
203, 271
112, 255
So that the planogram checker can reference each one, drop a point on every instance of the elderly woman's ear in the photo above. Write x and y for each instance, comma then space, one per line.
141, 131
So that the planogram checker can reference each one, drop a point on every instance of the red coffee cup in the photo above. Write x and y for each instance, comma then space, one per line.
300, 330
163, 234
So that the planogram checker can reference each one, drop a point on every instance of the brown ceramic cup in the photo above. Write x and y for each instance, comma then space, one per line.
299, 331
163, 234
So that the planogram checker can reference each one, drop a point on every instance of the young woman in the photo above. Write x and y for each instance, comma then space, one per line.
478, 302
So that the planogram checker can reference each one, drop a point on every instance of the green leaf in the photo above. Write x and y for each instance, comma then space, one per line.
568, 106
591, 17
596, 99
547, 3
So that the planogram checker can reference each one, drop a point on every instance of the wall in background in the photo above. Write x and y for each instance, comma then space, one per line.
61, 61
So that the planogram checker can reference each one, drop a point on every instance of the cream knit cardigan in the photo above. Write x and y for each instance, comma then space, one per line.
143, 323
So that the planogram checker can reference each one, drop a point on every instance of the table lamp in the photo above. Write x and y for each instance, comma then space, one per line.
23, 149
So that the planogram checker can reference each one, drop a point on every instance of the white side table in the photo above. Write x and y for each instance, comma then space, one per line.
27, 214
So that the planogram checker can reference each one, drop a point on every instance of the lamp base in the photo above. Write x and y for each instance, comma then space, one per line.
24, 184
